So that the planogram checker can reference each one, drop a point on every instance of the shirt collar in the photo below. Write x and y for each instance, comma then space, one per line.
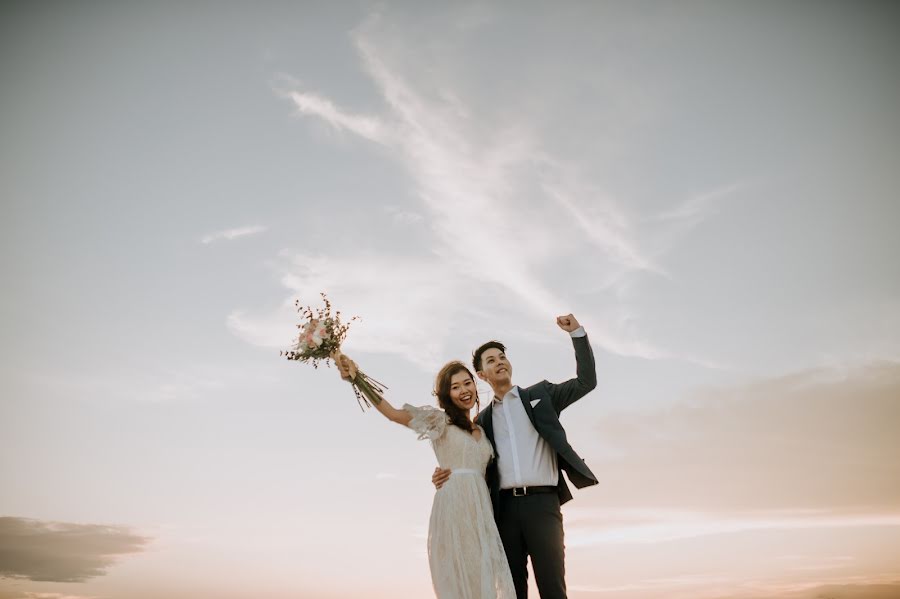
514, 392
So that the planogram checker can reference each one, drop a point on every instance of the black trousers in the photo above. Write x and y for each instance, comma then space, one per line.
532, 525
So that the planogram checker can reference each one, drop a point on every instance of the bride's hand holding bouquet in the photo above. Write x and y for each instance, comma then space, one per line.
321, 335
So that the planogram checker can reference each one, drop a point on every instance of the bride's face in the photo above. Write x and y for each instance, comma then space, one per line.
463, 392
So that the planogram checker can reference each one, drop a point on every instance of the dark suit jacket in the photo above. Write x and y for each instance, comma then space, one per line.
544, 417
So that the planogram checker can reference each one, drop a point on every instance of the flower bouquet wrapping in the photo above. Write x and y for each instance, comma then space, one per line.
321, 335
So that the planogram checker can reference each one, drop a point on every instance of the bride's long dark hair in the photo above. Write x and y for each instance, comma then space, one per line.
442, 389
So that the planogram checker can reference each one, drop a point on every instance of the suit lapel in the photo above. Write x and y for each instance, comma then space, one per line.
487, 423
525, 396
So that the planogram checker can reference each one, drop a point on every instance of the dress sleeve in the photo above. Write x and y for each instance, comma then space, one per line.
428, 421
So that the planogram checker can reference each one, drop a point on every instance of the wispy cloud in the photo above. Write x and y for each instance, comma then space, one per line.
404, 217
184, 387
883, 586
672, 226
399, 296
608, 226
230, 234
665, 526
40, 595
61, 551
712, 586
857, 589
699, 206
496, 208
655, 584
365, 126
137, 385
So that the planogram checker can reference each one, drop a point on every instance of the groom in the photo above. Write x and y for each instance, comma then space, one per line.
531, 448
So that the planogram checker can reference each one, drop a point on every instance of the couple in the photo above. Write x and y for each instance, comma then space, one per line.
490, 514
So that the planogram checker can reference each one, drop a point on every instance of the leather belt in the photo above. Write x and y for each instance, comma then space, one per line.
522, 491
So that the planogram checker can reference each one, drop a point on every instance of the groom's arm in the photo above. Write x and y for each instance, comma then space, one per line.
565, 394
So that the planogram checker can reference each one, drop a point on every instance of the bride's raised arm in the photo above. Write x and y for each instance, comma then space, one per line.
348, 369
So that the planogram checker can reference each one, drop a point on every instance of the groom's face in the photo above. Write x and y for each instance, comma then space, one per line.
495, 368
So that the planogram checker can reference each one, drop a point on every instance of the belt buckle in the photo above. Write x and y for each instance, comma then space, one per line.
522, 494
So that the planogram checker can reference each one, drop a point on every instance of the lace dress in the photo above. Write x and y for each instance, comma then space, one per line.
464, 548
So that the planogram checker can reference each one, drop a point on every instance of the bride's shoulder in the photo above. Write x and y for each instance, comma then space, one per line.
430, 422
422, 409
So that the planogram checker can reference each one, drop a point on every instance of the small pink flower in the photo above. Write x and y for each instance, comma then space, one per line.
314, 334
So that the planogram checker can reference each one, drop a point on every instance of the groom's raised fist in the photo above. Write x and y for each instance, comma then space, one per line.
567, 323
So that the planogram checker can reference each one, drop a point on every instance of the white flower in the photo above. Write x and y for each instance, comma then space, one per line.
313, 334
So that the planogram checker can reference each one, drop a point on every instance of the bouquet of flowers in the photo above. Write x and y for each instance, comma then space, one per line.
321, 335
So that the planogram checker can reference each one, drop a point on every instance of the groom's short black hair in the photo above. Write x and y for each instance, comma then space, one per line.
476, 357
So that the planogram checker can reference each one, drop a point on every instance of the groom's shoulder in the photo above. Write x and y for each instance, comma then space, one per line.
539, 386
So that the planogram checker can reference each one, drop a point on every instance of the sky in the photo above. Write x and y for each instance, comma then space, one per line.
711, 188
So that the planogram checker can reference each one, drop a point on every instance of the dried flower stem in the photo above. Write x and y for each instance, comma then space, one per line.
367, 390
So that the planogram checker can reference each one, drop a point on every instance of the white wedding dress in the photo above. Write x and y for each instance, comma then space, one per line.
464, 548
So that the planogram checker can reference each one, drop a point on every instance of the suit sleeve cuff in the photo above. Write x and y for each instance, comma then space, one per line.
579, 332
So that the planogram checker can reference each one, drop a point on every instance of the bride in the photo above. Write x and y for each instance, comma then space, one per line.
465, 552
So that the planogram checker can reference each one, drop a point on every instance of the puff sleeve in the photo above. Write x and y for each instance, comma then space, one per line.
429, 422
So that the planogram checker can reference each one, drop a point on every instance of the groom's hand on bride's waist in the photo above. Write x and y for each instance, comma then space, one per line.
439, 477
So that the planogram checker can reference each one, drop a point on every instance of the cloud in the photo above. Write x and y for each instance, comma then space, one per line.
700, 206
820, 439
399, 296
711, 587
368, 127
62, 552
185, 387
785, 485
503, 212
652, 584
230, 234
849, 587
672, 226
608, 227
158, 385
848, 591
618, 527
403, 217
40, 595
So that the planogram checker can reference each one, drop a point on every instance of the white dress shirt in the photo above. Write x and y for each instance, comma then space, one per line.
524, 458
